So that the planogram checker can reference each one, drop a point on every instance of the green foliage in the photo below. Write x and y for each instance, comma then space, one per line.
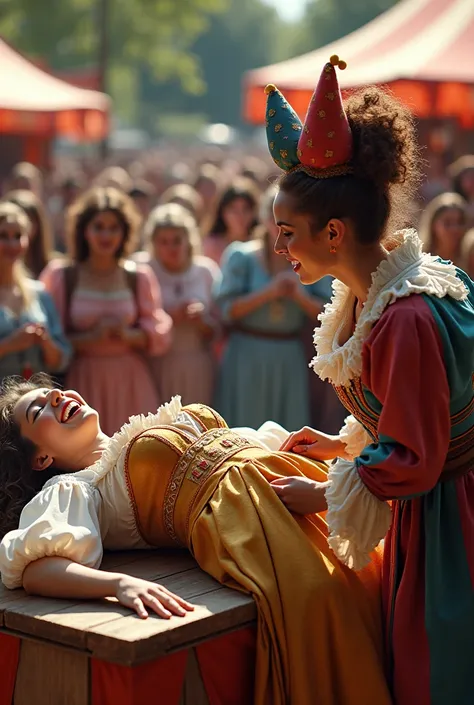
155, 33
237, 41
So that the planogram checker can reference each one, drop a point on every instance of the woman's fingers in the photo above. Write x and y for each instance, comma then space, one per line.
300, 448
183, 603
302, 436
292, 439
139, 607
160, 606
280, 491
170, 603
174, 604
280, 481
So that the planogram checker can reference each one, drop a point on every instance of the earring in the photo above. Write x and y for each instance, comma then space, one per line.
332, 250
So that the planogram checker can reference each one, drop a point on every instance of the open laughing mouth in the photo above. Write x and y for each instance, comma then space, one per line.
295, 264
69, 410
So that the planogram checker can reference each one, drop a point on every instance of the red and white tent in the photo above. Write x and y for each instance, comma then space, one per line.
422, 49
34, 101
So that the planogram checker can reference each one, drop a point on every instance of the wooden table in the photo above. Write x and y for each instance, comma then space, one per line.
65, 652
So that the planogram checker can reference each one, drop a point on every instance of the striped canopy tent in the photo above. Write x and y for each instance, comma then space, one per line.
33, 102
423, 50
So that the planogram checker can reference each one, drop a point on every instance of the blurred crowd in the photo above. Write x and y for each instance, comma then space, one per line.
135, 282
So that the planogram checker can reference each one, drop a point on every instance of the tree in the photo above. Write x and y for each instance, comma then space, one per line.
242, 38
157, 33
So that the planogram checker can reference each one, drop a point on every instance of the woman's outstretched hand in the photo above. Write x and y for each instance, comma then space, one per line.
141, 596
314, 444
55, 576
301, 495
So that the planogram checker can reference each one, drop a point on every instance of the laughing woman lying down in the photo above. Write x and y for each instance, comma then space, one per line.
181, 477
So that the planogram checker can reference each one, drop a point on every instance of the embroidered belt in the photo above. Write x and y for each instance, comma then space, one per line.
353, 399
460, 457
195, 466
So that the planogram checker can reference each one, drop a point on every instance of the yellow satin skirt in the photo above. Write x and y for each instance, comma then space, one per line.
320, 624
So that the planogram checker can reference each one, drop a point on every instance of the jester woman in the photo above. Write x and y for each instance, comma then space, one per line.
397, 344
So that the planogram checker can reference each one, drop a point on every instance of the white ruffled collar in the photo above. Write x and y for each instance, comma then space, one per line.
406, 270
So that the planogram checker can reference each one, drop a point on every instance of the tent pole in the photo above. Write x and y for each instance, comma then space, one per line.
103, 11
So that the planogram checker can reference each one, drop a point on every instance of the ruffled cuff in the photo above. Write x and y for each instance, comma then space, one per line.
355, 437
357, 520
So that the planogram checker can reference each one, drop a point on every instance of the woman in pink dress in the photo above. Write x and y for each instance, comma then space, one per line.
186, 280
110, 307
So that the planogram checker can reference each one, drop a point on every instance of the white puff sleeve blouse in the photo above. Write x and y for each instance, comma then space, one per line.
62, 520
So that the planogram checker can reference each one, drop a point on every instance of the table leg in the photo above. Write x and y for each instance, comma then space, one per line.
48, 675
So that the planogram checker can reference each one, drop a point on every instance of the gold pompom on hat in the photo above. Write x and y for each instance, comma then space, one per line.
324, 142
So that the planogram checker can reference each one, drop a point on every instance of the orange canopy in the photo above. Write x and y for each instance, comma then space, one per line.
33, 101
422, 49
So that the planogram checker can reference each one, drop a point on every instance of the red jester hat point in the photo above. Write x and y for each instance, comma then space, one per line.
326, 139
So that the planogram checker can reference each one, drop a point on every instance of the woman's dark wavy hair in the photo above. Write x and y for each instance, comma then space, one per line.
377, 197
239, 189
99, 200
18, 481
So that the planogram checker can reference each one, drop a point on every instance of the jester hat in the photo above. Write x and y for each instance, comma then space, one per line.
322, 147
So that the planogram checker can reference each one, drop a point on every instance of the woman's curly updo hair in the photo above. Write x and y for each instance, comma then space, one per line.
86, 207
18, 481
377, 196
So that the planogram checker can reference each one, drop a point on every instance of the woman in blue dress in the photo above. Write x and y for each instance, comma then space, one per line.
264, 370
31, 337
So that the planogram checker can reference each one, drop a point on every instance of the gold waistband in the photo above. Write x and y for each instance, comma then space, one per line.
199, 461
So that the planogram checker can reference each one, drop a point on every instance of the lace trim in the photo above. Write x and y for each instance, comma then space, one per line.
354, 436
407, 270
357, 520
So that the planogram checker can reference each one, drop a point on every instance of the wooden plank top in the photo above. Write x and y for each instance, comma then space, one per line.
108, 631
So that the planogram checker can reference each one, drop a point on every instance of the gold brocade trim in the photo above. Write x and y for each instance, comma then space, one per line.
352, 397
196, 464
326, 173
